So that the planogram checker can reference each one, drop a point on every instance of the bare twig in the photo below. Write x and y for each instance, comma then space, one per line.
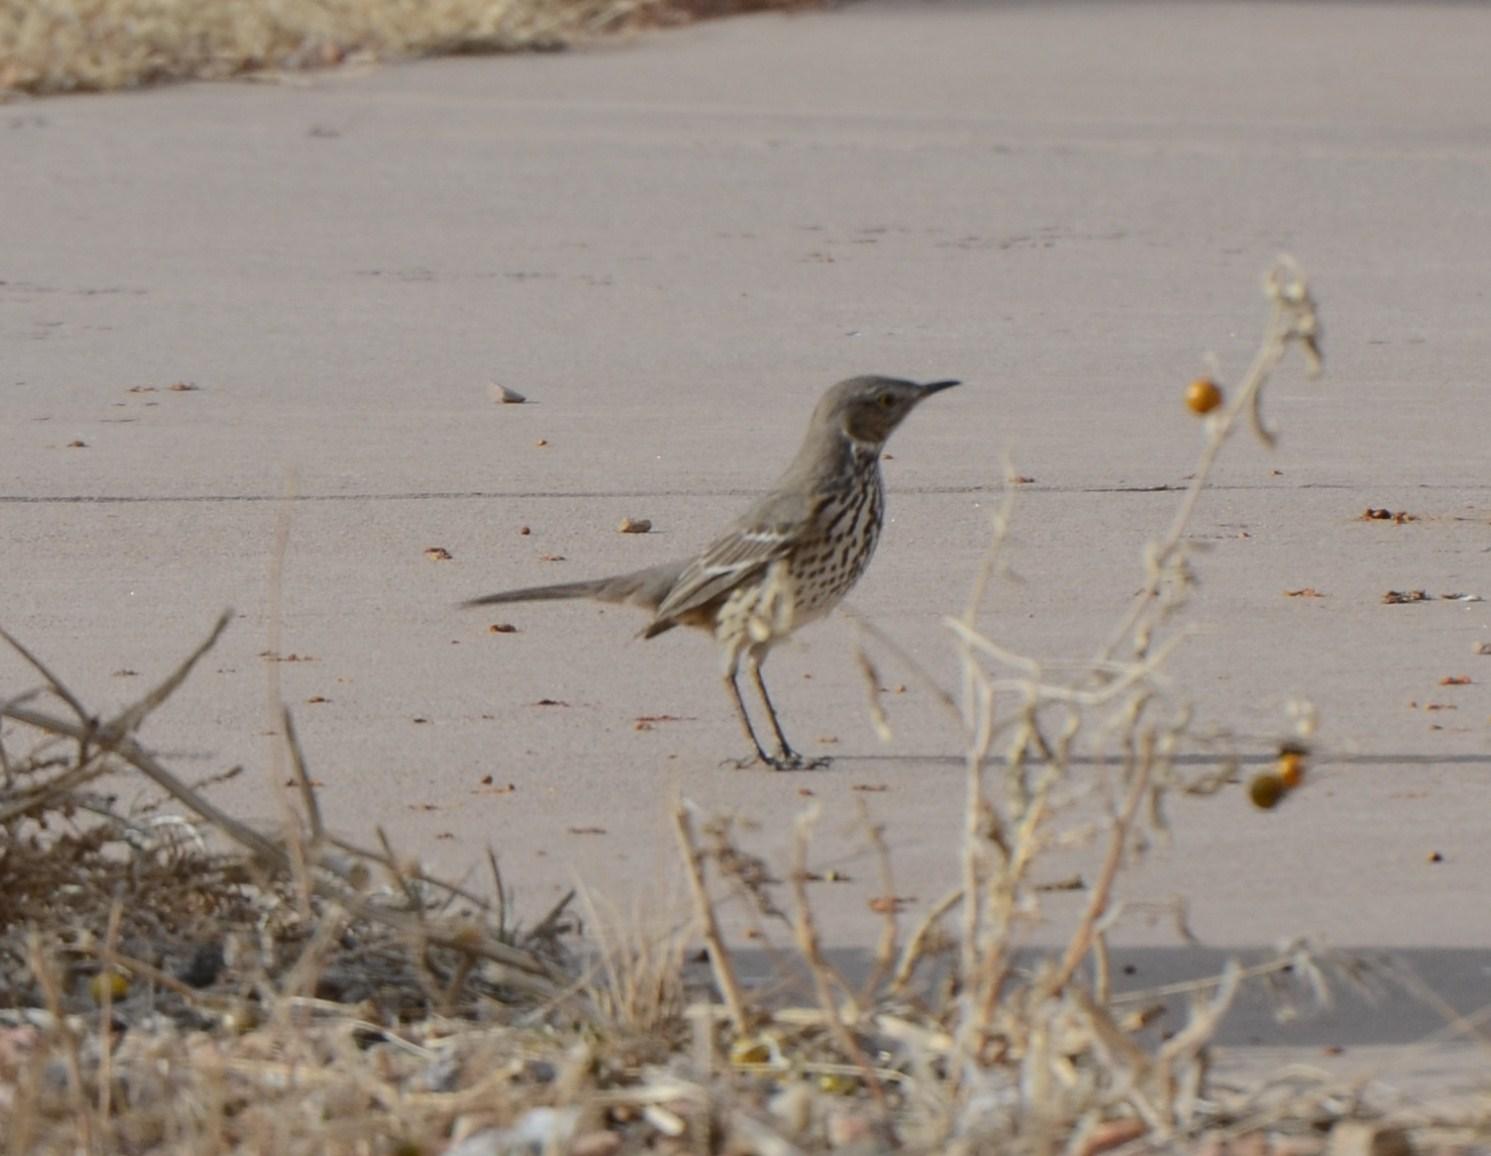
714, 942
825, 979
528, 970
878, 717
1097, 904
55, 684
46, 977
396, 869
989, 566
916, 946
106, 1015
128, 720
62, 786
863, 625
1293, 319
302, 777
981, 826
890, 930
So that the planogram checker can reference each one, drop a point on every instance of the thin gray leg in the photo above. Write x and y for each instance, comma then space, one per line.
745, 722
787, 759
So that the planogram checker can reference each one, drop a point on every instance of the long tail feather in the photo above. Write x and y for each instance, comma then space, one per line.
541, 593
645, 588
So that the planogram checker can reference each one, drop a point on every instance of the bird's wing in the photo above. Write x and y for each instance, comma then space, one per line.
767, 532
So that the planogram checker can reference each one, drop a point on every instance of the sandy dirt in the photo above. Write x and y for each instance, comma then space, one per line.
671, 245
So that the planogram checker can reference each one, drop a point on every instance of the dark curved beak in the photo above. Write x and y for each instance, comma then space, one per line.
937, 387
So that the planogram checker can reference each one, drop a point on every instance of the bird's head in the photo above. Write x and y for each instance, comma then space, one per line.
868, 409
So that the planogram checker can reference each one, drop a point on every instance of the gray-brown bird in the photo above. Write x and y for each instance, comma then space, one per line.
787, 560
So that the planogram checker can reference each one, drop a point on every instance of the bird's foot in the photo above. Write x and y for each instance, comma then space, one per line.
782, 761
787, 760
796, 762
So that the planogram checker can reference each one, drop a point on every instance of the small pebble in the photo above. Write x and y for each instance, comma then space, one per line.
504, 396
634, 526
665, 1120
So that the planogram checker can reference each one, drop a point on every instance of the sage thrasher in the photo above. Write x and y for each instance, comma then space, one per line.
787, 560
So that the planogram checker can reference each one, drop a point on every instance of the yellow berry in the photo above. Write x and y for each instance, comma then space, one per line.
1291, 769
750, 1051
112, 983
1266, 790
1203, 395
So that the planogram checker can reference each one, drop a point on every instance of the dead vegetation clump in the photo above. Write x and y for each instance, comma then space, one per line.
52, 46
172, 980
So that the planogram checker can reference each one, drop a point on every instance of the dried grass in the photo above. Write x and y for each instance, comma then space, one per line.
297, 993
52, 46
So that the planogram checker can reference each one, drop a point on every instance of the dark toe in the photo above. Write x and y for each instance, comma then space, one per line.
790, 760
748, 761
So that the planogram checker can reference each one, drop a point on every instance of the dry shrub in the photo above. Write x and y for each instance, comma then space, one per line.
964, 1039
159, 994
49, 46
635, 976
